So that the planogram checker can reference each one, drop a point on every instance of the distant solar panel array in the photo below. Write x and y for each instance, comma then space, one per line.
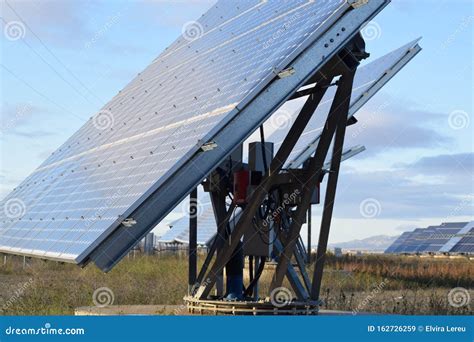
449, 238
179, 229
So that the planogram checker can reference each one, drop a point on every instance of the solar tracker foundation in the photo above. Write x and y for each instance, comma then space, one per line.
262, 307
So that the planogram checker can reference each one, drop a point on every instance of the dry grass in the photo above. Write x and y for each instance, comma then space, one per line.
381, 284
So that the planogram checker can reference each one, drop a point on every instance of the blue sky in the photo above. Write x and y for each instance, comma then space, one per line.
73, 56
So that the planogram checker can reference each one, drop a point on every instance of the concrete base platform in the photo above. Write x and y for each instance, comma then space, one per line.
162, 310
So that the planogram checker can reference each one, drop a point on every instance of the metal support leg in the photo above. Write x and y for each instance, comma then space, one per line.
300, 260
216, 245
328, 207
259, 195
292, 275
222, 220
192, 248
338, 112
309, 235
255, 288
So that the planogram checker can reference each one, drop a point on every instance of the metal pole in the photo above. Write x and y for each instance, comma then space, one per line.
328, 208
309, 236
192, 248
255, 288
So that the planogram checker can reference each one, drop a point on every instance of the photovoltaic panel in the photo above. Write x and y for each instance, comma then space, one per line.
411, 242
221, 74
436, 239
398, 242
422, 240
252, 112
368, 80
442, 234
463, 242
179, 229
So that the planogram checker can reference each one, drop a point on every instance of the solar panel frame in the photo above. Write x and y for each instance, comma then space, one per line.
119, 242
66, 151
264, 99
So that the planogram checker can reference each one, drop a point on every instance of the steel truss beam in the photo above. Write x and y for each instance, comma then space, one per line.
261, 192
222, 216
328, 205
308, 178
337, 117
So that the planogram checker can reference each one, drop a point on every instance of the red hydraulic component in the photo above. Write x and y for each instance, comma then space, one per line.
241, 185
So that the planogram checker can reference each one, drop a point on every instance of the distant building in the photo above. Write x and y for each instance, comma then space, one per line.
338, 251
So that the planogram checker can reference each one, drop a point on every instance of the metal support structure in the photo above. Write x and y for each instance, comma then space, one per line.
256, 288
217, 243
329, 204
300, 261
259, 194
338, 112
222, 220
301, 292
192, 247
308, 259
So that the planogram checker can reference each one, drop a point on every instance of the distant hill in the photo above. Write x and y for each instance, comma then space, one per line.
376, 243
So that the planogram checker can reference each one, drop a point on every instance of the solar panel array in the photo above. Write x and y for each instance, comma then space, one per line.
463, 242
451, 237
87, 187
179, 232
398, 242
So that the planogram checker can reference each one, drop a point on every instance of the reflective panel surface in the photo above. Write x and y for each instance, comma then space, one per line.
69, 204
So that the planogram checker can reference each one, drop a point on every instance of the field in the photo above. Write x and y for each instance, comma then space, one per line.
373, 283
